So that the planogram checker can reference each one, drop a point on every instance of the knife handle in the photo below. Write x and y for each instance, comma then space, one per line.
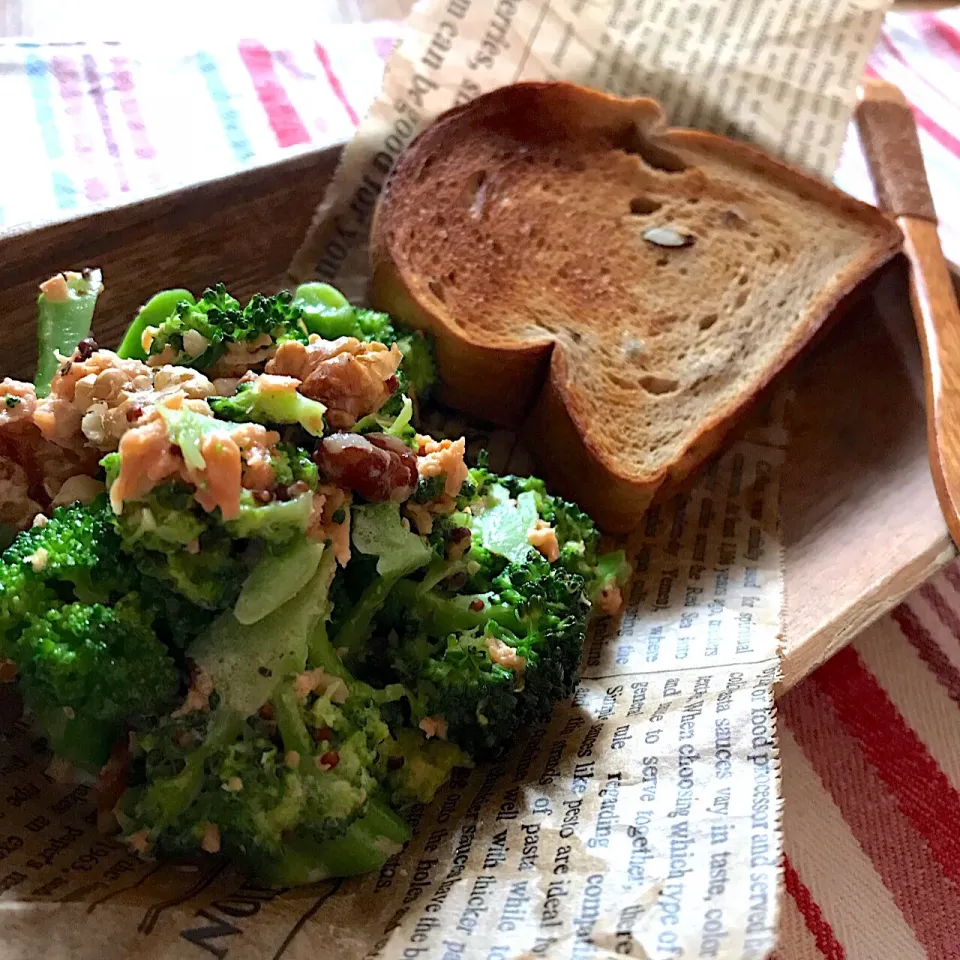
888, 134
937, 316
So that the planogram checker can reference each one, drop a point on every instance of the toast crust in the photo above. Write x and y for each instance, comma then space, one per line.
527, 383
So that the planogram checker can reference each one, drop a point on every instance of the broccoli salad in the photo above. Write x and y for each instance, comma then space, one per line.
245, 594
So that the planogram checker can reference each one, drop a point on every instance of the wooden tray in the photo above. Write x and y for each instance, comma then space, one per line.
861, 524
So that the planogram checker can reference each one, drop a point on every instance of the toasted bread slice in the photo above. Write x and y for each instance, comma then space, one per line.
624, 288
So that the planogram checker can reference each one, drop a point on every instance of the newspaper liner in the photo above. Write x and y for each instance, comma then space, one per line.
643, 819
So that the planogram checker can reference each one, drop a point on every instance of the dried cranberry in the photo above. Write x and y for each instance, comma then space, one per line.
134, 412
322, 733
376, 466
394, 763
86, 348
330, 759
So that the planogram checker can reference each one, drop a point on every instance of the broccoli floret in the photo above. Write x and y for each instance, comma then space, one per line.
429, 488
292, 464
252, 402
289, 784
210, 577
419, 365
82, 665
85, 669
577, 535
418, 767
74, 555
219, 319
458, 653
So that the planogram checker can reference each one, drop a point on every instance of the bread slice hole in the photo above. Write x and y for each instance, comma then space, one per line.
639, 206
634, 141
425, 168
436, 288
741, 299
707, 321
658, 385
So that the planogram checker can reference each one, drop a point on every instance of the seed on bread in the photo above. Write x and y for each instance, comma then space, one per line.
667, 237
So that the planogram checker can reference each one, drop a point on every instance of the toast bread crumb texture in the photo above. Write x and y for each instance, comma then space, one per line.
670, 273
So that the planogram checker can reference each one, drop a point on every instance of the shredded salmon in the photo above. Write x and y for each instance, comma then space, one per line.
610, 600
544, 538
505, 656
218, 484
327, 501
443, 457
147, 458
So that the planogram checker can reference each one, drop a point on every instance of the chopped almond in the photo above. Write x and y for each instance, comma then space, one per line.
434, 727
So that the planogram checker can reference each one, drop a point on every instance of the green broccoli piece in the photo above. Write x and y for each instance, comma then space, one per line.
277, 522
377, 531
429, 488
395, 418
79, 547
419, 365
445, 646
83, 665
289, 785
417, 767
86, 668
62, 322
252, 403
292, 464
577, 535
220, 320
74, 555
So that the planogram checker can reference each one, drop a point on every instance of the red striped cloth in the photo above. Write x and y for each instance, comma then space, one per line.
870, 750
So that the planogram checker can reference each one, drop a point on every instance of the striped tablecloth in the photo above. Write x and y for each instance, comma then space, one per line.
870, 742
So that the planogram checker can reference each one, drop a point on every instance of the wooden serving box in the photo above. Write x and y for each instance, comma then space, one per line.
860, 521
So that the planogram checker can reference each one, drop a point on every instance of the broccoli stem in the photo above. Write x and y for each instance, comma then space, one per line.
157, 309
292, 729
323, 655
445, 615
63, 323
83, 741
355, 630
365, 846
167, 798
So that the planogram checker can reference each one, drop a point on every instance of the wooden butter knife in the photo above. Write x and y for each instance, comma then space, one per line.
889, 136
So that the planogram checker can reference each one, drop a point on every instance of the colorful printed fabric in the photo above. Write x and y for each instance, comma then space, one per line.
94, 124
870, 742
